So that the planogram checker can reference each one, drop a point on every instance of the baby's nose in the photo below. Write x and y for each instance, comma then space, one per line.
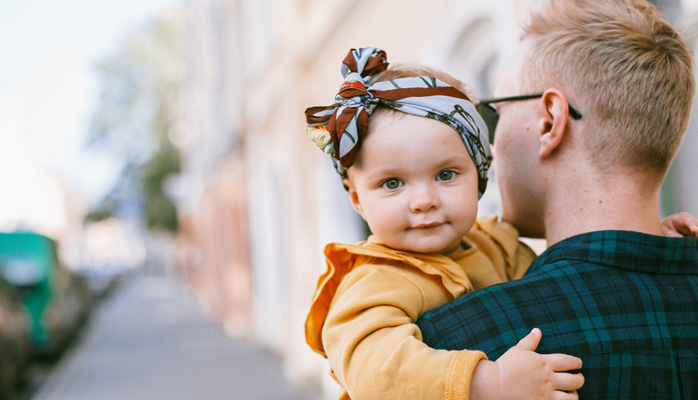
423, 199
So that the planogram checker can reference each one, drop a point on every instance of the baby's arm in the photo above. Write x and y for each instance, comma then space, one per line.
521, 373
682, 224
375, 349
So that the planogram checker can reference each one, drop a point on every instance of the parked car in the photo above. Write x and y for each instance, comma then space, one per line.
14, 339
56, 299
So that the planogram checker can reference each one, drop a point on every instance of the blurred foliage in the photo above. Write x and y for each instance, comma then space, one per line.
137, 108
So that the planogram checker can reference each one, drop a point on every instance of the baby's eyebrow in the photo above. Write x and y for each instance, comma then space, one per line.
455, 160
383, 174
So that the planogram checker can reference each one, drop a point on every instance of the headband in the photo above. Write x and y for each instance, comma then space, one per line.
338, 129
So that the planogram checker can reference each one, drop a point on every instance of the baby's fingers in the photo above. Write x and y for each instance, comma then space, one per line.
565, 395
693, 230
563, 362
568, 382
686, 224
531, 341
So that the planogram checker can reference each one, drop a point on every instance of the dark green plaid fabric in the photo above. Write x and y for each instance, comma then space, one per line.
624, 302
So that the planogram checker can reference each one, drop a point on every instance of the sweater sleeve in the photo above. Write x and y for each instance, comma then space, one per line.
499, 240
374, 347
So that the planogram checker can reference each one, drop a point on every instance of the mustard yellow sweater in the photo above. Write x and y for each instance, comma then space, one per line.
363, 312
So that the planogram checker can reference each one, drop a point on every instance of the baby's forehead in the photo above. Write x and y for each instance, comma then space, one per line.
395, 137
388, 120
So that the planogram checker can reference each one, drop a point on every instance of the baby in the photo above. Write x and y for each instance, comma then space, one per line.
414, 154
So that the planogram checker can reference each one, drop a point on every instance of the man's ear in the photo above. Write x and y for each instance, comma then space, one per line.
353, 196
554, 114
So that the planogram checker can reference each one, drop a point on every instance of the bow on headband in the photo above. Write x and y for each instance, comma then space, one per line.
338, 129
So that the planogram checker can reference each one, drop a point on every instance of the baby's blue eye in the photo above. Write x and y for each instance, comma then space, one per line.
445, 175
392, 183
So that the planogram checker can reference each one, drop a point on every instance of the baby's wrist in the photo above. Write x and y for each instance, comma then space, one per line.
485, 381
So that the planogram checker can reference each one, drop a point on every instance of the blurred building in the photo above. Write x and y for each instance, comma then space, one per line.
258, 201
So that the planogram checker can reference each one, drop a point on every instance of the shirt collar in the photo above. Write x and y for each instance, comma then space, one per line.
629, 250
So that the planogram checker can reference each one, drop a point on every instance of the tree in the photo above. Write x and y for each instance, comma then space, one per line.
136, 111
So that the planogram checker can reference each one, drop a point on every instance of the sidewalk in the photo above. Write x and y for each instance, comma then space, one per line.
149, 341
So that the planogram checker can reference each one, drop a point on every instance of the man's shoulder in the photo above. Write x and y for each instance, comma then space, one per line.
496, 317
570, 297
541, 278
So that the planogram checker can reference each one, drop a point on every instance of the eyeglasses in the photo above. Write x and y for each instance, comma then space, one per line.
491, 115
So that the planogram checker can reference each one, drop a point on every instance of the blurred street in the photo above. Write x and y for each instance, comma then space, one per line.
149, 340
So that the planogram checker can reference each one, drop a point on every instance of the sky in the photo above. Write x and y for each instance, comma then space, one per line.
48, 87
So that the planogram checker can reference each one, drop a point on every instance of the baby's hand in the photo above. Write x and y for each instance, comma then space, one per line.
521, 373
682, 224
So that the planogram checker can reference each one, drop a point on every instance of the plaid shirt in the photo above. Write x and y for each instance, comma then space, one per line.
626, 303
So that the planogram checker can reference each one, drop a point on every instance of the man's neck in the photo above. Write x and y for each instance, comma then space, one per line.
596, 203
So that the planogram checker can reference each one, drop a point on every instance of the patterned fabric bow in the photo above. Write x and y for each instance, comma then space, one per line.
337, 129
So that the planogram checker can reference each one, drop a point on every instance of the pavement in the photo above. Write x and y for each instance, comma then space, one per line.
149, 340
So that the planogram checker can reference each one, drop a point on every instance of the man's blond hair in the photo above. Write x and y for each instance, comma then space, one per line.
625, 68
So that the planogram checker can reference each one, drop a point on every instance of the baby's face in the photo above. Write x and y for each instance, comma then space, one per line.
415, 184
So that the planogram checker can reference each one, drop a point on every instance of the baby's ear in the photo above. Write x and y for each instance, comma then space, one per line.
353, 196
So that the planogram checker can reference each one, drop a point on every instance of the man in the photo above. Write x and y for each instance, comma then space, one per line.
582, 165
